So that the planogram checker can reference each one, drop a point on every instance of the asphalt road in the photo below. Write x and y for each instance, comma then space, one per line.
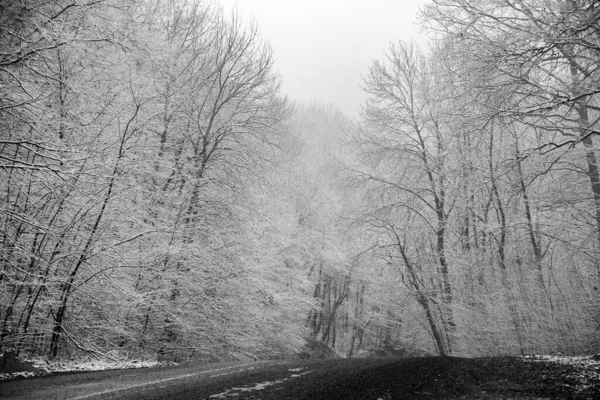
188, 381
271, 379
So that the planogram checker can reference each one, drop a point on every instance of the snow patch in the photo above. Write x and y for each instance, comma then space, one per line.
14, 375
48, 367
299, 375
237, 391
587, 368
566, 360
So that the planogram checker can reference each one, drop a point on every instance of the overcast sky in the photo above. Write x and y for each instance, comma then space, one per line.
322, 46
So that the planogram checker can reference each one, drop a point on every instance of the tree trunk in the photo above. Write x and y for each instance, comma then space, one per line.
423, 300
57, 329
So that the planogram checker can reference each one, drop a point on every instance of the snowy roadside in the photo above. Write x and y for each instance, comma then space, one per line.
32, 367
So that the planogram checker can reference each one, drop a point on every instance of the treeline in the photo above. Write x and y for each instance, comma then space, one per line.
467, 196
480, 176
161, 197
137, 139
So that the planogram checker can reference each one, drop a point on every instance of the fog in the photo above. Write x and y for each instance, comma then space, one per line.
323, 47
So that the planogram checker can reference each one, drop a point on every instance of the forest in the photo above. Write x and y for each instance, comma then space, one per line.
161, 197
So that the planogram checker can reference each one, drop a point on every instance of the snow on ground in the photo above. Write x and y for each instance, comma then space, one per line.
46, 367
585, 361
236, 391
586, 368
14, 375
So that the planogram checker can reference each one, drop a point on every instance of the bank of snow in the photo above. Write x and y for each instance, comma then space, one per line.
27, 367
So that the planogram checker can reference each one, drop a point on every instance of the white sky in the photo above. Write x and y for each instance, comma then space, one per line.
322, 46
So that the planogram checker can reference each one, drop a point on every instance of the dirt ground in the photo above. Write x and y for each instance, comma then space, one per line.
445, 378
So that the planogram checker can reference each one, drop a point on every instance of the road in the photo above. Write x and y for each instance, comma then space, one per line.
154, 383
373, 379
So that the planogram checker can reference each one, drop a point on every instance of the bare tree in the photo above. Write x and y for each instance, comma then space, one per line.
404, 140
543, 56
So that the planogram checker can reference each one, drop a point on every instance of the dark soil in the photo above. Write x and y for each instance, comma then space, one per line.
442, 378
